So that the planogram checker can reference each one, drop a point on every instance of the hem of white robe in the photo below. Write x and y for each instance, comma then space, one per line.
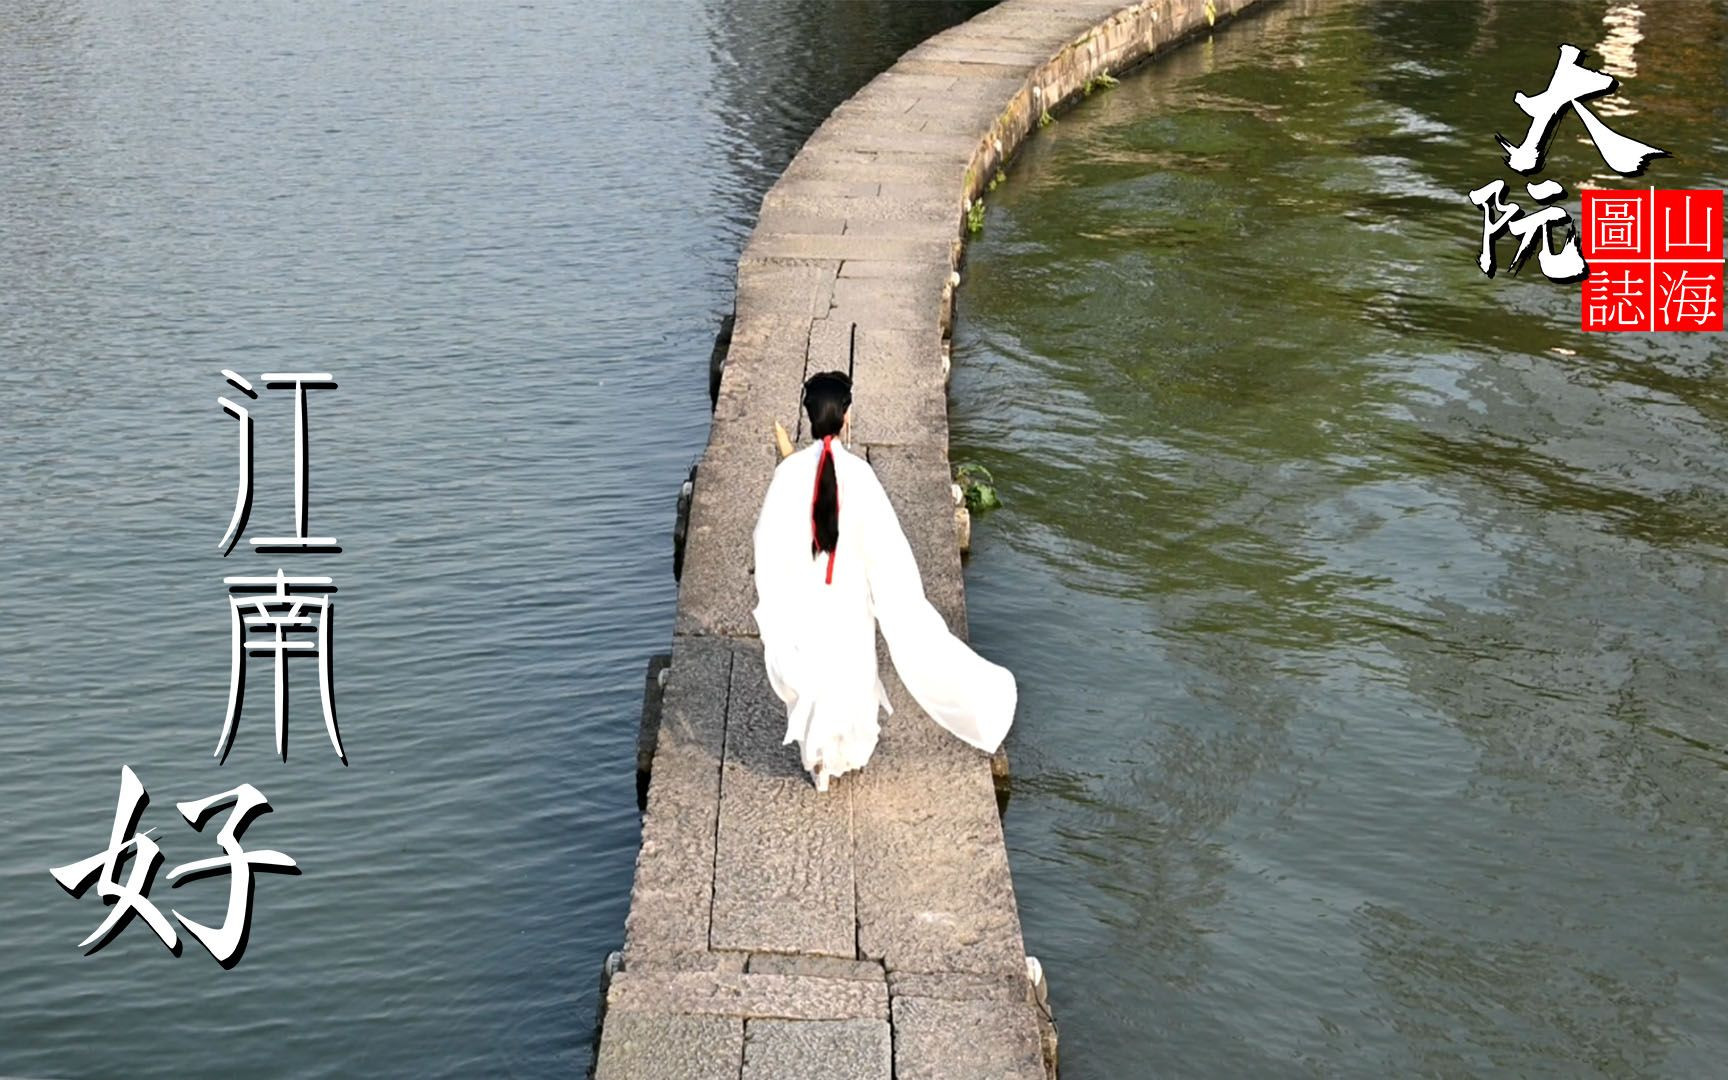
883, 709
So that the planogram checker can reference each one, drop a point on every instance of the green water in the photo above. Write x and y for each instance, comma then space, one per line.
1368, 615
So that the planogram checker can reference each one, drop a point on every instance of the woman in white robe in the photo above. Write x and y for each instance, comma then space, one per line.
831, 564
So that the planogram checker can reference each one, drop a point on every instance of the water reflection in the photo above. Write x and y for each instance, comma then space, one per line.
1617, 49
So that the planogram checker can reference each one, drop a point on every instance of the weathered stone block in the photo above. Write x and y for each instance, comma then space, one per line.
793, 246
886, 413
783, 872
827, 967
934, 890
960, 986
936, 1039
637, 1047
672, 892
763, 382
899, 391
829, 1049
927, 275
867, 208
892, 303
778, 291
963, 71
787, 997
718, 589
782, 220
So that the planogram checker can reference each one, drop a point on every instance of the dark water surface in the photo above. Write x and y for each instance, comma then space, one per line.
509, 231
1368, 615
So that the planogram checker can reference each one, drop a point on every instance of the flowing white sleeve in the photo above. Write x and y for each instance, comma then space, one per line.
781, 547
965, 693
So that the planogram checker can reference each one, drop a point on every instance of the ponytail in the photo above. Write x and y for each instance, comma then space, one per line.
826, 398
825, 507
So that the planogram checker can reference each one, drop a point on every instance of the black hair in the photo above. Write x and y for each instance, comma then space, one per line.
826, 399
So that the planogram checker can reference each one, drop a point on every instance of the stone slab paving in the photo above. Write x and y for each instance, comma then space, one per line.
871, 932
779, 838
946, 1039
829, 1049
680, 1047
673, 893
744, 994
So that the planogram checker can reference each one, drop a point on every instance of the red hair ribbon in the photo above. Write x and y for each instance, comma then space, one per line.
826, 455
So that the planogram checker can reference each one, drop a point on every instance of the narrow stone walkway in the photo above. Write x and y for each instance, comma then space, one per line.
870, 932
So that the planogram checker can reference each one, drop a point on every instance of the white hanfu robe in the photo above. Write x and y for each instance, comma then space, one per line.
819, 636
